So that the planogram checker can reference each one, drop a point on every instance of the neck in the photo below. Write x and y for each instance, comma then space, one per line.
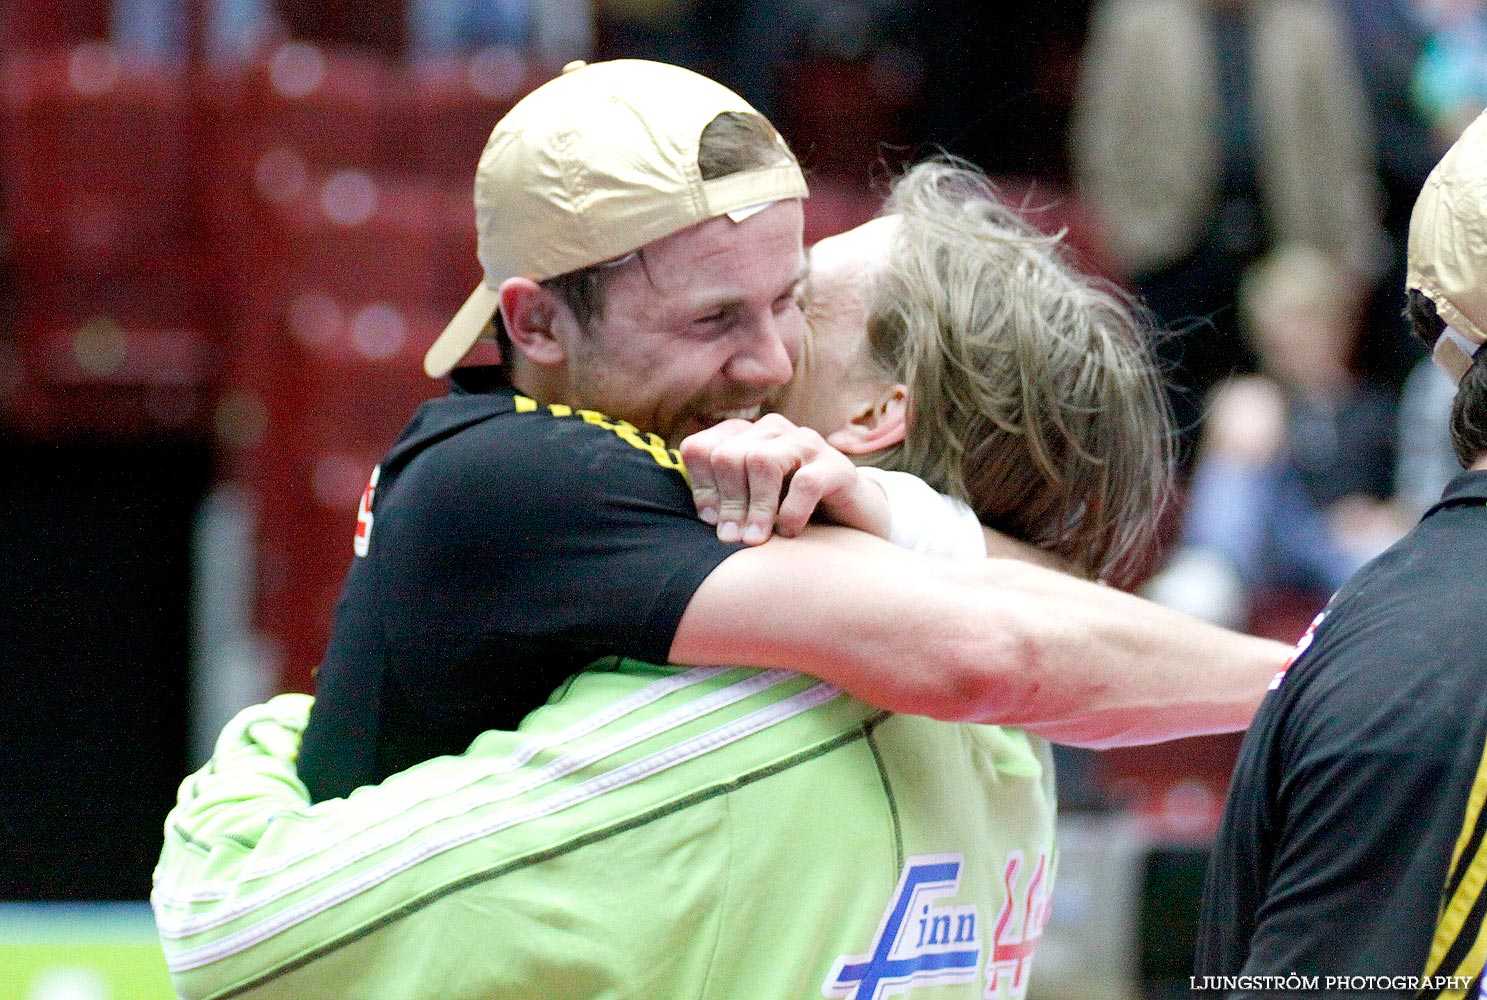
536, 382
1480, 465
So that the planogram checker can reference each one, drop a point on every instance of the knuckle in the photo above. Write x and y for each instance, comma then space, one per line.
696, 448
729, 457
761, 503
792, 523
761, 462
808, 479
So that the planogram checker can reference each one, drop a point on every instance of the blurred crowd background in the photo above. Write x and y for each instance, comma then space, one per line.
231, 228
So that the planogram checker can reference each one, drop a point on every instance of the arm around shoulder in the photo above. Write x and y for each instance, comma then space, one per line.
994, 641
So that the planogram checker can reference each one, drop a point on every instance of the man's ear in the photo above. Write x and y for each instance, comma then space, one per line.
880, 424
534, 318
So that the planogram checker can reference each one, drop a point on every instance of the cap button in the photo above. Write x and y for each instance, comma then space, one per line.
575, 64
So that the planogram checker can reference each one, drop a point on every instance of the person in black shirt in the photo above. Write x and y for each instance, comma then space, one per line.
1351, 856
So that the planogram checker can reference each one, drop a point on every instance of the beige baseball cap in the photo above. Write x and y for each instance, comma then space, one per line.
591, 166
1448, 247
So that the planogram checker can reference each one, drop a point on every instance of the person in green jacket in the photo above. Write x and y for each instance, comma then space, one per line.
717, 831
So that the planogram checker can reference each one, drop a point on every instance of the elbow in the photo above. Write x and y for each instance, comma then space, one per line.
990, 673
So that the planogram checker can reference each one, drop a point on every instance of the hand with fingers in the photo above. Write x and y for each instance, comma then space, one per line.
752, 479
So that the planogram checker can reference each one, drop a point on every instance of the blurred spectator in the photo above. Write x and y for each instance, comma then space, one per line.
1000, 81
451, 27
1427, 461
1450, 84
553, 31
1208, 131
1296, 465
1388, 37
156, 30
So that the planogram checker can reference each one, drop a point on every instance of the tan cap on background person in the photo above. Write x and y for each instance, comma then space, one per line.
593, 165
1448, 247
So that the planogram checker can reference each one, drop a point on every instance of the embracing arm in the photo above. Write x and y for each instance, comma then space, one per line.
755, 479
995, 641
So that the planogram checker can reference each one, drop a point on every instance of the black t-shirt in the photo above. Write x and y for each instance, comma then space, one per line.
1362, 773
507, 545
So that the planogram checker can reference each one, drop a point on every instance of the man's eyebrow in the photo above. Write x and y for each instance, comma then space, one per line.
729, 301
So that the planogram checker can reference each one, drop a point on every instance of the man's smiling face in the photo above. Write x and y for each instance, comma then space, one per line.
697, 327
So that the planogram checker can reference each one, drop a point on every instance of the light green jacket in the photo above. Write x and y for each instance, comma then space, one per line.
653, 832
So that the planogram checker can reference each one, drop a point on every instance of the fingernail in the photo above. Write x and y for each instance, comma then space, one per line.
708, 514
728, 531
753, 534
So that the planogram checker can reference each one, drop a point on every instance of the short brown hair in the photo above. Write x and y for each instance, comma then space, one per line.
1033, 393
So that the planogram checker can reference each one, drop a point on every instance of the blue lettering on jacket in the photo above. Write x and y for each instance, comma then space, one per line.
916, 944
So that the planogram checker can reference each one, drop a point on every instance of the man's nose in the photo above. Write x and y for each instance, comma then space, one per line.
769, 357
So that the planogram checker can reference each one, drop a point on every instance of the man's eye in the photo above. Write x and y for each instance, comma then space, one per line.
711, 319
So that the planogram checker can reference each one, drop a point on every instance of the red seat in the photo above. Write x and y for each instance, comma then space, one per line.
349, 231
837, 204
325, 414
99, 155
302, 111
302, 422
101, 379
155, 287
843, 112
48, 25
453, 249
332, 373
457, 102
1283, 615
335, 106
303, 552
1179, 786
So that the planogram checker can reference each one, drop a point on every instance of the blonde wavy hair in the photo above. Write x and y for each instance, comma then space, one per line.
1032, 393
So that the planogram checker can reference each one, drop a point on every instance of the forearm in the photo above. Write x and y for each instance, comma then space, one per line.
1111, 669
993, 641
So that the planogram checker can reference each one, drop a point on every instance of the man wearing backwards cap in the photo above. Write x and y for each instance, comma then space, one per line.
1353, 841
640, 230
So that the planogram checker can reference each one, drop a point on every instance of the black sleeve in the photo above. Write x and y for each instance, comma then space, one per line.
505, 556
580, 534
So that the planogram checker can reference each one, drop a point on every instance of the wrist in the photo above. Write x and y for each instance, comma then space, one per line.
862, 505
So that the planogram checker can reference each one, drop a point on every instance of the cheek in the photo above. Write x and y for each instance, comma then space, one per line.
813, 398
676, 381
792, 403
627, 358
